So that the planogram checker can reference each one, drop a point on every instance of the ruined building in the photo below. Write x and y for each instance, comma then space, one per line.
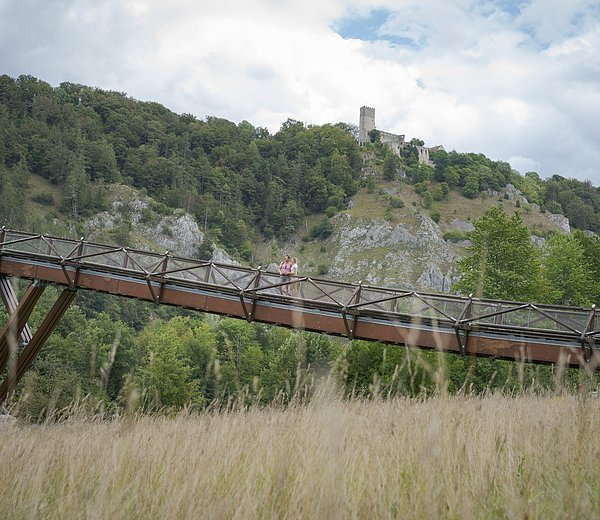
394, 141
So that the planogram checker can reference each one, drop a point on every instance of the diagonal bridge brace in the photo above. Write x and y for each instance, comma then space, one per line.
11, 302
38, 340
16, 324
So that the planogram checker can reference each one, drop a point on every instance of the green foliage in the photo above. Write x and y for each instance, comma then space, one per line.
440, 191
501, 262
323, 229
566, 271
322, 269
396, 202
471, 187
427, 199
390, 167
374, 369
369, 183
591, 252
235, 178
374, 136
165, 375
44, 198
331, 211
578, 201
455, 235
435, 216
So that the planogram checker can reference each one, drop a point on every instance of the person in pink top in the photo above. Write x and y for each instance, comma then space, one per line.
285, 271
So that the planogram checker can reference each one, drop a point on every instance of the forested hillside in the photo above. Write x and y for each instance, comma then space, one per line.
236, 179
62, 148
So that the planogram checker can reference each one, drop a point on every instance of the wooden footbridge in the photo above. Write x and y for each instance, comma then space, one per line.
464, 325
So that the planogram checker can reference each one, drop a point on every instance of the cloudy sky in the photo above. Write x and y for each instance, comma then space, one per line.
516, 80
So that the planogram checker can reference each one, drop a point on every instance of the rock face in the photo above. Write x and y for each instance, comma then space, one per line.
394, 255
176, 232
561, 221
462, 225
515, 194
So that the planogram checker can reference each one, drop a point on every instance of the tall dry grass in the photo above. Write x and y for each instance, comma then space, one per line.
442, 457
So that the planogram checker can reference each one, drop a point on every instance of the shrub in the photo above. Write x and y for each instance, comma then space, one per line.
323, 229
396, 202
322, 269
331, 211
435, 216
455, 235
46, 199
369, 183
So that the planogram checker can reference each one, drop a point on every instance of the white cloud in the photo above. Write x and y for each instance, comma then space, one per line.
518, 84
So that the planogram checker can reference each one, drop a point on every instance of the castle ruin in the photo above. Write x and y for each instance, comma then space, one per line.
395, 141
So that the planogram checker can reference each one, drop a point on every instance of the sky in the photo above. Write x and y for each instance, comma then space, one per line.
518, 81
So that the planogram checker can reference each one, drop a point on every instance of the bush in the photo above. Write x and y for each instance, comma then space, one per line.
435, 216
147, 216
427, 199
331, 211
322, 270
455, 235
554, 207
46, 199
323, 229
422, 187
369, 183
396, 202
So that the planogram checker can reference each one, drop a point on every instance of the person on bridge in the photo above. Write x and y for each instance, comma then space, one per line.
285, 270
294, 272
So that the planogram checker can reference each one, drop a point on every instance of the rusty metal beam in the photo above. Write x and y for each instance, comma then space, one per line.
38, 340
17, 321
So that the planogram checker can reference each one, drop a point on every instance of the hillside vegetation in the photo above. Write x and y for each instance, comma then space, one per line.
238, 180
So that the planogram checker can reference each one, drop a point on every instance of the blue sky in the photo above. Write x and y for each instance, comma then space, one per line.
517, 81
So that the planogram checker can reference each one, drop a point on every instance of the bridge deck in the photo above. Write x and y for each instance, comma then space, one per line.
503, 329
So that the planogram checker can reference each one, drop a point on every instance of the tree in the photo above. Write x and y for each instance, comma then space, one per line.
502, 263
591, 252
390, 167
165, 375
471, 189
566, 272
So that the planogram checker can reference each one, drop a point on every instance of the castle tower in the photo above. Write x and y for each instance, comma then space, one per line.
366, 123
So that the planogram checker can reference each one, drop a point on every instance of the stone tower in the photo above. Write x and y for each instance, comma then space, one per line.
366, 123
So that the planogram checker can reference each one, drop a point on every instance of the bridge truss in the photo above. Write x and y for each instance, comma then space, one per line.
515, 331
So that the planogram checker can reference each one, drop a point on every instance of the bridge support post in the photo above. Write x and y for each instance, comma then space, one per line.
38, 340
587, 341
464, 315
16, 324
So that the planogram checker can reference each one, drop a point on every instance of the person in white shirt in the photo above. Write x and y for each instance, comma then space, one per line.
294, 272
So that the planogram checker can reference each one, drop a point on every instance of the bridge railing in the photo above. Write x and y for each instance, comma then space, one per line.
350, 299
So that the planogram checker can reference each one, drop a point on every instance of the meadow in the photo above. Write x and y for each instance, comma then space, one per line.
491, 456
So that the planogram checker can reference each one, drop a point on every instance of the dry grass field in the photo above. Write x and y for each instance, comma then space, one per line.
441, 457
